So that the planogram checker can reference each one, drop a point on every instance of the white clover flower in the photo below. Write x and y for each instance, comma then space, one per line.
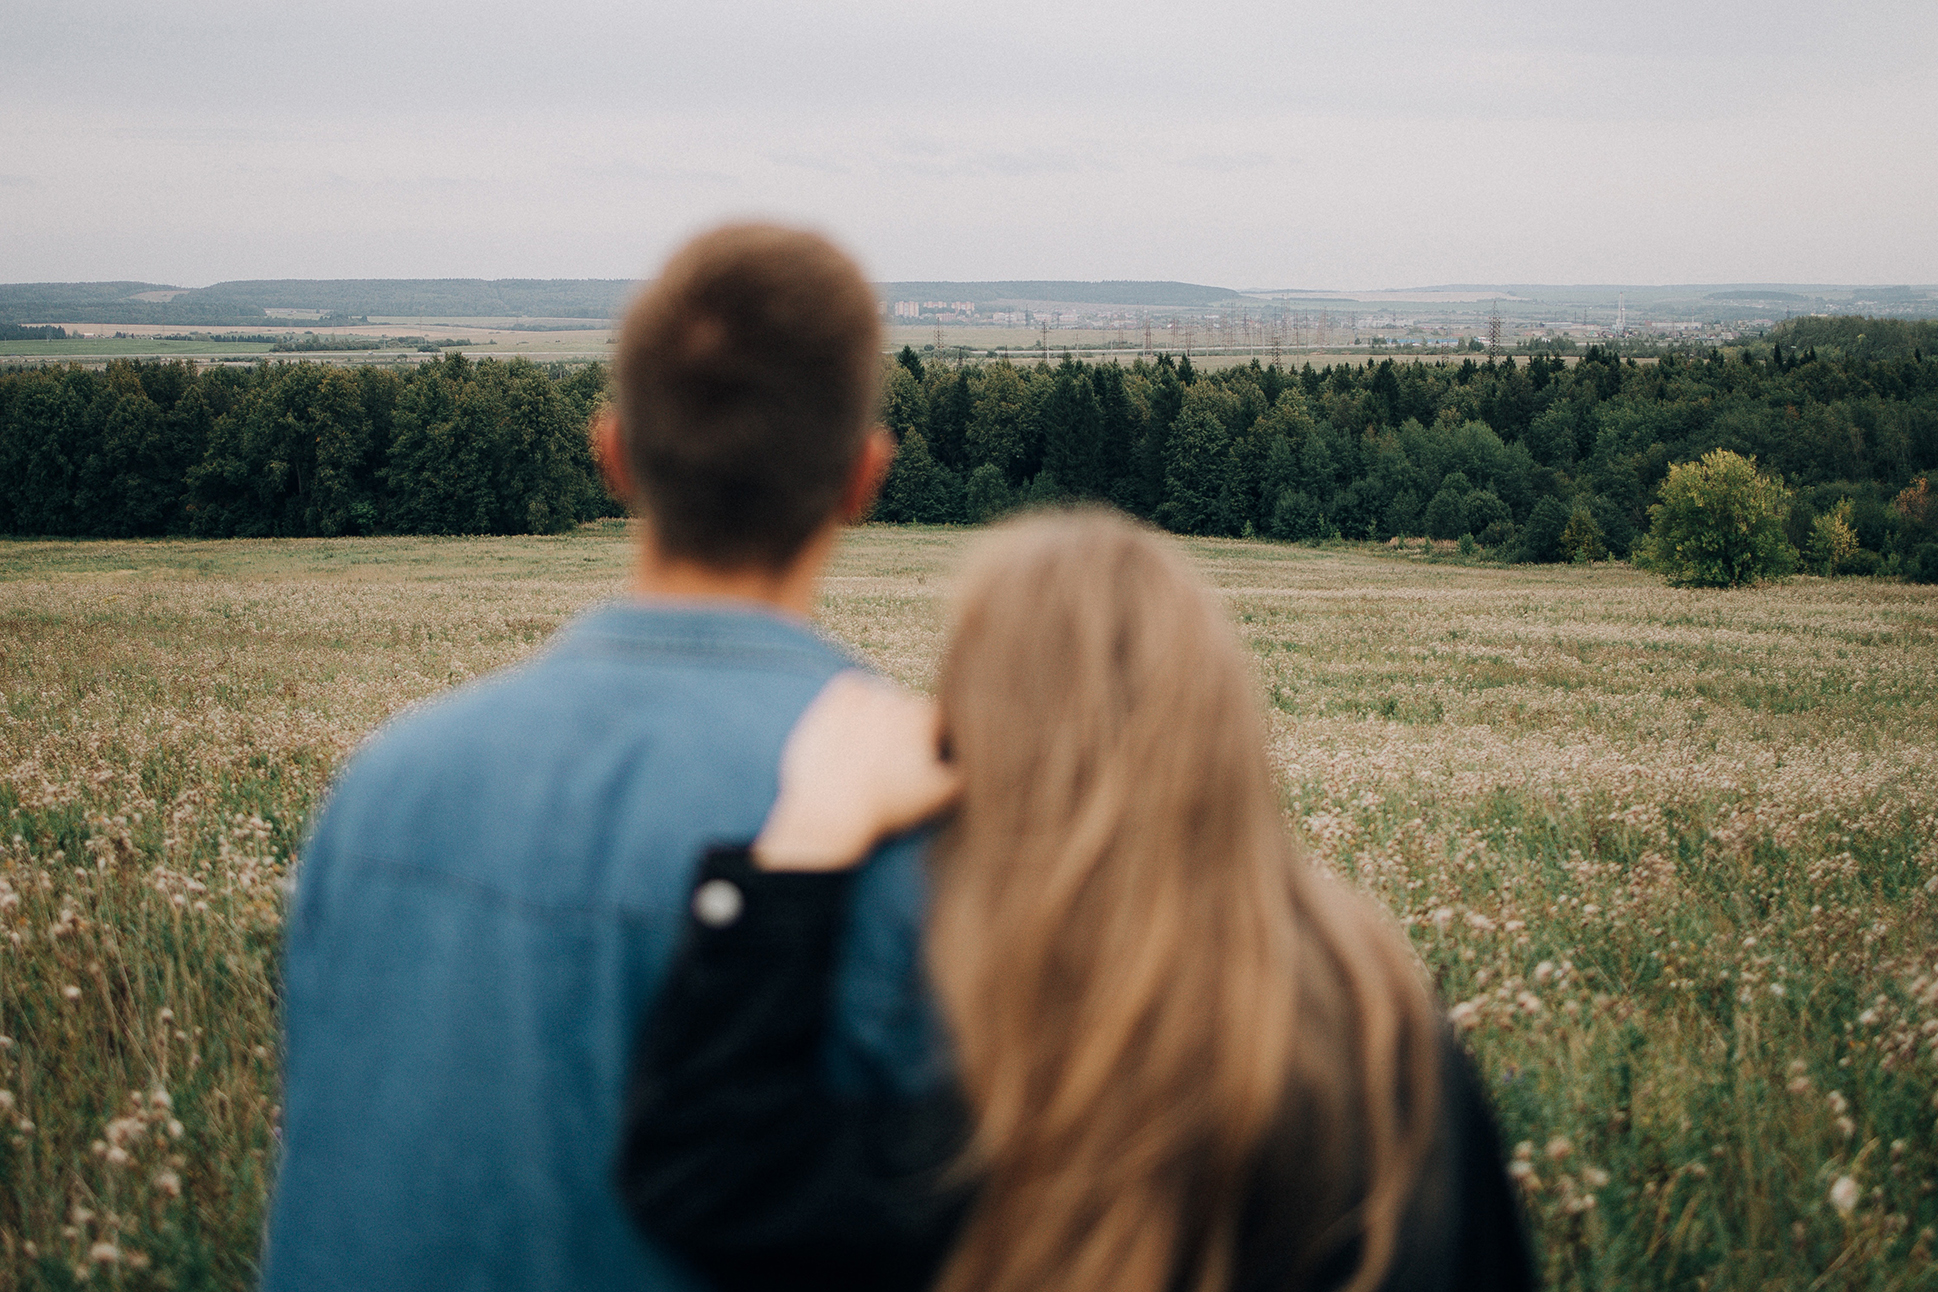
1843, 1195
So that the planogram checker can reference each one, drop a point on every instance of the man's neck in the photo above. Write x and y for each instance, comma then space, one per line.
790, 589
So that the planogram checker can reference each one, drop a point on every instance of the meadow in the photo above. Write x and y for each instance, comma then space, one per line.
1671, 858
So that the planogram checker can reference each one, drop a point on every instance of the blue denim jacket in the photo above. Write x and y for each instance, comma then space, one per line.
483, 912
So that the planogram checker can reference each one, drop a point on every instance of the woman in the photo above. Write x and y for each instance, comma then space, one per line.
1186, 1058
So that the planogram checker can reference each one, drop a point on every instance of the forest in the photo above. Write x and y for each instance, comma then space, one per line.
298, 448
1536, 460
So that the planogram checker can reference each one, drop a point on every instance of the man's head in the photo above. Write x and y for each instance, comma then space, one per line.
747, 378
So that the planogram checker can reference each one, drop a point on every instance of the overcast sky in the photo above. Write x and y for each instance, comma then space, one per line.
1244, 145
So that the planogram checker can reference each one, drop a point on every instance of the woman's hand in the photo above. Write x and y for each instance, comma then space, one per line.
863, 763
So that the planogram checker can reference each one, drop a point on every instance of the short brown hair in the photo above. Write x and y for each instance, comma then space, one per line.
747, 377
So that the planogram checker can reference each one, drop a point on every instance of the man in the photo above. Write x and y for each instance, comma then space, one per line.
494, 887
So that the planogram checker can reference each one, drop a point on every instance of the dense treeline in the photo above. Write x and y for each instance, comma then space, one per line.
451, 446
1858, 337
1537, 459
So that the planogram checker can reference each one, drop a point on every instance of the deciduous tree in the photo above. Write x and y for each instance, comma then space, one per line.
1719, 524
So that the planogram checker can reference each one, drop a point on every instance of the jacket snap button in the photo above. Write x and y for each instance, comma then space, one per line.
717, 903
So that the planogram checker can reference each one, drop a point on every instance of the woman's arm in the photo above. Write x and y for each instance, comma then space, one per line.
734, 1153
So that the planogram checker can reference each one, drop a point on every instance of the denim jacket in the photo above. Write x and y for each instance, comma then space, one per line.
489, 901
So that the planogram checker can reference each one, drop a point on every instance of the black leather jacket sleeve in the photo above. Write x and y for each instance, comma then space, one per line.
734, 1153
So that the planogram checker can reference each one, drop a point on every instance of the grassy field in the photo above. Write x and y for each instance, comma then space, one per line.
1672, 858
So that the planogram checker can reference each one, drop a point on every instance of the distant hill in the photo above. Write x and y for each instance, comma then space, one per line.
1062, 291
248, 301
561, 298
112, 303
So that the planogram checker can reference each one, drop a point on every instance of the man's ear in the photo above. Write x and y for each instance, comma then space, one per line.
866, 476
611, 455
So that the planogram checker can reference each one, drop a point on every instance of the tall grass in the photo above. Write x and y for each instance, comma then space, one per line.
1670, 857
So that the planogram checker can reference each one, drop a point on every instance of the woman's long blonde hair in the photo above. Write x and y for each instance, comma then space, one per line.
1148, 987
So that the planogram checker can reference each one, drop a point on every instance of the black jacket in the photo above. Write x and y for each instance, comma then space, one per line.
738, 1157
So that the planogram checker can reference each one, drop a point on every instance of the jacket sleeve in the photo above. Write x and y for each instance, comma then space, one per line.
734, 1152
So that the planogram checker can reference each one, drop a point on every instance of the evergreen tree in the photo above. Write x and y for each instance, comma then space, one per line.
1446, 514
905, 405
987, 495
949, 417
1165, 401
919, 488
998, 433
1541, 536
1197, 475
1073, 424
